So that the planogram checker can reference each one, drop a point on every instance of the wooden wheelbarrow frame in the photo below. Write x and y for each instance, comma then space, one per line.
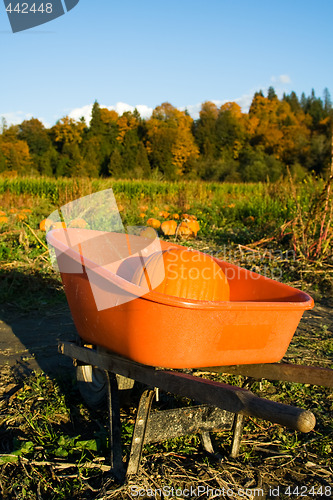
224, 406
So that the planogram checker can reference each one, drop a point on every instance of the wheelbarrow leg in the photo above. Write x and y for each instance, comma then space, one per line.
207, 442
237, 435
117, 467
139, 431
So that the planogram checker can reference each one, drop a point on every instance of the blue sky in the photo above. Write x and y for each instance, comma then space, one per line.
142, 53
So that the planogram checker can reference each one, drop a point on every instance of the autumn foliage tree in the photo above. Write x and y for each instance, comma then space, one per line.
14, 152
170, 142
224, 143
68, 135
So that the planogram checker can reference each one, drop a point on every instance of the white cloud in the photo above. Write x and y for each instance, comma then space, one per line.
145, 111
120, 108
284, 79
193, 110
84, 112
17, 117
244, 102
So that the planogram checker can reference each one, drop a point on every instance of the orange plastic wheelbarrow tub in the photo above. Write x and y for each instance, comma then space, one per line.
255, 326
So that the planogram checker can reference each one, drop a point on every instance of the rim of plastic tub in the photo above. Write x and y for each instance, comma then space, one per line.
305, 303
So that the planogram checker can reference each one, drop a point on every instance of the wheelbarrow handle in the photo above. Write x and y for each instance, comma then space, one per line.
224, 396
237, 400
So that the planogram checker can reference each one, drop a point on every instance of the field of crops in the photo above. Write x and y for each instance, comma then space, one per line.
53, 447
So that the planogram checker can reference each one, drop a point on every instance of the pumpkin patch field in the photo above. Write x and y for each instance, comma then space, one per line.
52, 446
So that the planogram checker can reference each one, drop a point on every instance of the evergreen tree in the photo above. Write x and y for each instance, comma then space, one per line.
293, 101
327, 101
271, 94
116, 164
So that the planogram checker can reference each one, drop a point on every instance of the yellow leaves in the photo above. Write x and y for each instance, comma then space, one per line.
169, 131
277, 127
68, 131
184, 148
16, 153
108, 116
208, 110
126, 122
233, 108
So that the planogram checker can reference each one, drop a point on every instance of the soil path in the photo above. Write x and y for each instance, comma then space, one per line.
31, 340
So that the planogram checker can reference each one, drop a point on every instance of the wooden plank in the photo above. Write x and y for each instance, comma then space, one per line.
230, 398
139, 432
169, 424
288, 372
237, 436
116, 462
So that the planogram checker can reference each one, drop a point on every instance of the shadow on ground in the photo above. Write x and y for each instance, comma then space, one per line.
33, 319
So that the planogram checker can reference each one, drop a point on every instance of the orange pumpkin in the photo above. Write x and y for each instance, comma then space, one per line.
48, 224
183, 230
2, 213
21, 216
175, 216
153, 223
169, 227
164, 214
183, 273
45, 225
58, 225
249, 219
149, 232
3, 219
78, 223
194, 226
142, 215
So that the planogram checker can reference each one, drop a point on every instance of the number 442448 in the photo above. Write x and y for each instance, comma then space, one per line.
23, 8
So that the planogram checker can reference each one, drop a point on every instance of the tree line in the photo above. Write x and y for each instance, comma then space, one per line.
223, 144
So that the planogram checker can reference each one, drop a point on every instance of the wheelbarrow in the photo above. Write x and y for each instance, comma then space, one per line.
146, 336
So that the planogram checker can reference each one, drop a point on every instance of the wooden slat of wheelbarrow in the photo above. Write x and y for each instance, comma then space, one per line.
230, 398
280, 371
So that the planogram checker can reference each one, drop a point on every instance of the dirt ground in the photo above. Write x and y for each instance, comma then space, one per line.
30, 341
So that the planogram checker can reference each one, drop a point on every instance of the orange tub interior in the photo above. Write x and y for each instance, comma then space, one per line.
255, 326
